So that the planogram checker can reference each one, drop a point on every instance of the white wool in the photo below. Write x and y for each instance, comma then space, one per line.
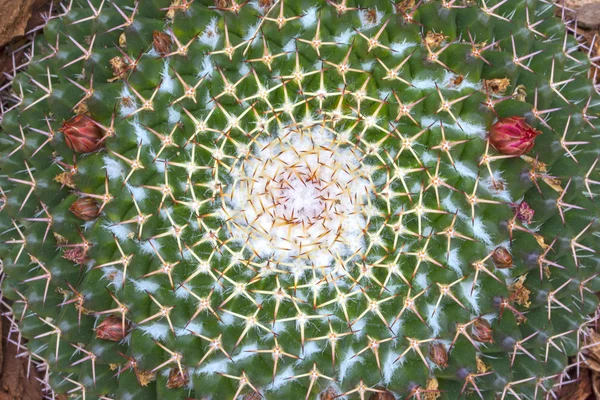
207, 69
113, 168
464, 170
145, 285
290, 48
159, 163
87, 225
469, 128
434, 320
142, 135
281, 379
488, 184
384, 94
195, 327
226, 319
126, 110
368, 65
165, 212
321, 212
168, 84
253, 34
309, 19
427, 158
65, 325
122, 232
212, 367
244, 69
471, 295
454, 262
358, 327
344, 37
152, 53
390, 365
181, 293
139, 193
398, 49
347, 363
174, 116
210, 37
421, 279
365, 19
113, 275
480, 233
146, 247
310, 348
245, 352
156, 330
423, 84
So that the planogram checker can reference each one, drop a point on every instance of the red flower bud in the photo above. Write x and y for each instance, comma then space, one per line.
111, 329
85, 208
502, 258
512, 136
82, 134
524, 212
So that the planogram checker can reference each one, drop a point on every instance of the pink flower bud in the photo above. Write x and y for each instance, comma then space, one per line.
512, 136
524, 213
82, 134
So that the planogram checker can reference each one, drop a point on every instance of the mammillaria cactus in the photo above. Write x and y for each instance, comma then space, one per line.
302, 199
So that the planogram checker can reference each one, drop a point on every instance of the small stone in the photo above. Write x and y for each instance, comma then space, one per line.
587, 12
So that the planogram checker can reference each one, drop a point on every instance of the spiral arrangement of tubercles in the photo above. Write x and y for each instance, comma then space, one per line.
298, 199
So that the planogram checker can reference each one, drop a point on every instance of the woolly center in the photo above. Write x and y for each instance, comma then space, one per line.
300, 196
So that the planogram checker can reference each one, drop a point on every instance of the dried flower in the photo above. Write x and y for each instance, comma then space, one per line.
85, 208
162, 43
111, 329
502, 257
438, 354
328, 394
524, 213
82, 134
512, 136
177, 379
75, 254
481, 331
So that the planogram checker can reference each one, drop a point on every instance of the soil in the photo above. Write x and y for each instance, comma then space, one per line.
15, 384
19, 380
18, 18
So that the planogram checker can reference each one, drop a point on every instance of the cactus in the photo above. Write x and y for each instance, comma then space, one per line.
302, 199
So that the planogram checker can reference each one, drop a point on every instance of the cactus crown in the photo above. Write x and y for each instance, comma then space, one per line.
293, 199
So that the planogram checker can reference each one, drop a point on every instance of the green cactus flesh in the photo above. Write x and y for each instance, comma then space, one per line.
300, 199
